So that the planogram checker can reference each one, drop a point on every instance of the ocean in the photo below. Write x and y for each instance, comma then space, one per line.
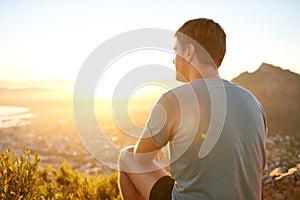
11, 116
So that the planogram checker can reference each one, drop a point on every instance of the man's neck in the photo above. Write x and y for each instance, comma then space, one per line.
207, 72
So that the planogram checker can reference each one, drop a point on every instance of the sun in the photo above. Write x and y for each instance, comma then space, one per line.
126, 66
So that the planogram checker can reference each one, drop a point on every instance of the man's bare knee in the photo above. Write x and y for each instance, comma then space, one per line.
130, 163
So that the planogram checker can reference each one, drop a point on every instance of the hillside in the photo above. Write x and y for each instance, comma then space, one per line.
279, 92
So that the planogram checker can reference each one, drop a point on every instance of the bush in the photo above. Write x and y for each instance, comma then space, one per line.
18, 176
21, 178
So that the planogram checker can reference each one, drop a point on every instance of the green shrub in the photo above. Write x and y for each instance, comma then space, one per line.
20, 178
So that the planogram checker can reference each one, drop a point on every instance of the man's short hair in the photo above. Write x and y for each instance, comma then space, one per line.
208, 34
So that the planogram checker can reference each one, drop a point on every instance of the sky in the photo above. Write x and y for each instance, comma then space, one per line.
46, 40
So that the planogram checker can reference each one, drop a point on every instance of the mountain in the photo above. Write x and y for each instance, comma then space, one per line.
278, 91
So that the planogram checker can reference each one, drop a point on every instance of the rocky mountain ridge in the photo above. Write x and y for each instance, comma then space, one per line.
278, 91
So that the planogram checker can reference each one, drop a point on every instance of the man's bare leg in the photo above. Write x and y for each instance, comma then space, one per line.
127, 188
138, 184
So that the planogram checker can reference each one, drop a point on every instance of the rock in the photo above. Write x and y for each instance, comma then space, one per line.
267, 180
278, 196
282, 184
278, 171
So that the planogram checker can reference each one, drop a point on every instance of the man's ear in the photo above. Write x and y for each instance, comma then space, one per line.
190, 52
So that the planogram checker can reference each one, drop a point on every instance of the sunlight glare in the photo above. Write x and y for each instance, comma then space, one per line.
126, 64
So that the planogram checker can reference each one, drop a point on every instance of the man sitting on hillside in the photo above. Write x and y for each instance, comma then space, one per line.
215, 129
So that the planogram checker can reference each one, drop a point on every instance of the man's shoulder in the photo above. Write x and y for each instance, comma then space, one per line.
174, 93
244, 93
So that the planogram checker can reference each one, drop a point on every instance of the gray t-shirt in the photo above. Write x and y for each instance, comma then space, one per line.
216, 132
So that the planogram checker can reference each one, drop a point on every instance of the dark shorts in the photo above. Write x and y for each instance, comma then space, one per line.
162, 189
